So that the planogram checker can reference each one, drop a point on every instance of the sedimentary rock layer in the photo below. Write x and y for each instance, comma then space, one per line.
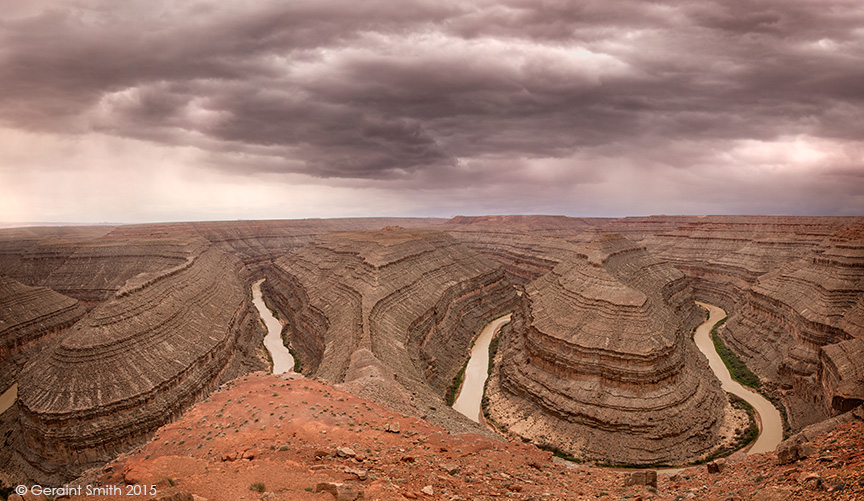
598, 363
92, 263
93, 269
791, 321
396, 303
257, 242
724, 255
30, 316
138, 360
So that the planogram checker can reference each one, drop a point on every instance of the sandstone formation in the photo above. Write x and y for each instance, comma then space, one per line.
385, 306
527, 246
791, 285
800, 327
29, 316
598, 362
390, 314
93, 269
138, 360
92, 263
256, 242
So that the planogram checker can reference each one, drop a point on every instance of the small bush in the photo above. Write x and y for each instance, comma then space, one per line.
737, 369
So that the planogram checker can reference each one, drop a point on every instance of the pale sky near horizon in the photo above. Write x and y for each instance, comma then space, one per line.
166, 110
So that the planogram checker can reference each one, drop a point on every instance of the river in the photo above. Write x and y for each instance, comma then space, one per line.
471, 393
8, 398
282, 359
771, 424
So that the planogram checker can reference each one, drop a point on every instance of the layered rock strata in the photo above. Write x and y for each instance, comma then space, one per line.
598, 362
257, 242
527, 246
138, 360
725, 255
398, 305
92, 263
29, 316
93, 270
798, 326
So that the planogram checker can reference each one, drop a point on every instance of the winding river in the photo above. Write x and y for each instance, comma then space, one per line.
282, 359
771, 425
471, 393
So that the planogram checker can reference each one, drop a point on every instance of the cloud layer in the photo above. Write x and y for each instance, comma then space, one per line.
437, 107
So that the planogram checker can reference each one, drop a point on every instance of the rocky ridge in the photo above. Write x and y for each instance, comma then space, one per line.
391, 312
29, 317
598, 363
294, 439
792, 278
799, 326
138, 361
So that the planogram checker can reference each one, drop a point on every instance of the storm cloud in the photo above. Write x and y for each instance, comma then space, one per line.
584, 107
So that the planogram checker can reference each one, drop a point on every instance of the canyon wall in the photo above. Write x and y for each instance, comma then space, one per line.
29, 317
92, 268
598, 362
393, 307
392, 313
792, 286
797, 326
139, 359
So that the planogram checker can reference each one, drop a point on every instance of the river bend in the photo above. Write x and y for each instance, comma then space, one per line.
282, 359
771, 425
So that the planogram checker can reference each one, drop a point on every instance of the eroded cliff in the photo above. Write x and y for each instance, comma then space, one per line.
139, 360
29, 317
394, 309
598, 362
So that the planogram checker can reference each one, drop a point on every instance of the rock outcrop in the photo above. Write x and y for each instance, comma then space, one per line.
800, 327
92, 270
257, 242
598, 362
92, 263
29, 317
139, 360
379, 305
390, 314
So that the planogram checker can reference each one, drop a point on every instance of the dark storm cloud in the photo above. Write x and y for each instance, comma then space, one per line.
420, 89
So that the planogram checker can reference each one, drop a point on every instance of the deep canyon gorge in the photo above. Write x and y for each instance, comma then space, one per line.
112, 332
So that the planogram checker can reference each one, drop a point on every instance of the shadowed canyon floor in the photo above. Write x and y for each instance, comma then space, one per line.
112, 332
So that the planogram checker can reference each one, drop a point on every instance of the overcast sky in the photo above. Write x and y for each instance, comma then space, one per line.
159, 110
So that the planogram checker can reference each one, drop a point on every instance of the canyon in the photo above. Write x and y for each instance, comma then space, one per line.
113, 332
598, 362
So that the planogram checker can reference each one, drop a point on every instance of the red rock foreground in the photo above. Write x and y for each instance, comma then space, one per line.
264, 437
